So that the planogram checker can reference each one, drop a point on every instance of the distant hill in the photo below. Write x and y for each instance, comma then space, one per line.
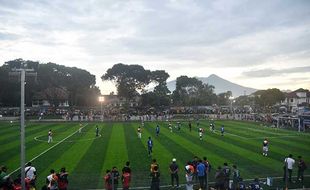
220, 84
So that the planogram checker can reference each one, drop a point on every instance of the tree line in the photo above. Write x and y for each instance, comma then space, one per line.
57, 82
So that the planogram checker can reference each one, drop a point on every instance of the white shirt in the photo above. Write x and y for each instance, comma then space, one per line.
30, 174
290, 162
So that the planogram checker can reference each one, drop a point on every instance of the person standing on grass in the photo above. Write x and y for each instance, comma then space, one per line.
157, 130
288, 167
80, 129
219, 178
30, 173
115, 176
108, 180
126, 178
174, 169
190, 126
226, 171
265, 147
155, 179
150, 146
127, 168
63, 179
50, 136
301, 168
201, 172
189, 169
222, 130
139, 130
208, 170
153, 164
97, 131
236, 177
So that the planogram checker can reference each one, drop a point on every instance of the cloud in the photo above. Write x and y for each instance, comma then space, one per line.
184, 36
273, 72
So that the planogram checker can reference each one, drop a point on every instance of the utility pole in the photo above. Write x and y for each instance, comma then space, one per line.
22, 72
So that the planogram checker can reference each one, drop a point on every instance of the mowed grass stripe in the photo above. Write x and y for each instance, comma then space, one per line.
116, 152
240, 131
139, 161
33, 148
190, 141
247, 159
68, 159
88, 169
15, 135
160, 153
9, 131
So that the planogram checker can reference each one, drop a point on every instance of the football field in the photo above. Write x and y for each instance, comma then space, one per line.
86, 157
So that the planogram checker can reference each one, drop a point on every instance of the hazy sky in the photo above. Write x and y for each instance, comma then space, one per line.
259, 44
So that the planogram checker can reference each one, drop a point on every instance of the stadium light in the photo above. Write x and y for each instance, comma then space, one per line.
22, 71
101, 100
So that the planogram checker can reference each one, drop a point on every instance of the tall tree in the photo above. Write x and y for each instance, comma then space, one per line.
129, 79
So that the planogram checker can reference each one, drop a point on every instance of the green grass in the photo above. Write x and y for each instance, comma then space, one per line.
87, 157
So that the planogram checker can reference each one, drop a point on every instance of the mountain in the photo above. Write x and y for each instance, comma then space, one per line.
220, 84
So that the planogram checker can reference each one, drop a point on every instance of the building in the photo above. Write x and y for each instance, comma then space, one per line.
297, 100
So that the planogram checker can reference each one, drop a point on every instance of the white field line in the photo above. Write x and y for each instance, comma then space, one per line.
181, 185
48, 149
272, 137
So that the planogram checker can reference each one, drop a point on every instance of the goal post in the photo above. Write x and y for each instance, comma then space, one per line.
290, 123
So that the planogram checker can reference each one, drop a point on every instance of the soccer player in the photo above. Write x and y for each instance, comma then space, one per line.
157, 130
222, 130
97, 131
200, 133
265, 147
190, 126
170, 127
50, 136
139, 130
150, 146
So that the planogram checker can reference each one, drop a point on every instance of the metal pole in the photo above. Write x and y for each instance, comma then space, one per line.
22, 129
101, 112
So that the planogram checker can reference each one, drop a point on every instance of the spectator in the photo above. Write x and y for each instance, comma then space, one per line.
30, 173
108, 180
155, 179
236, 177
219, 178
63, 179
5, 179
201, 172
174, 169
255, 185
52, 180
226, 171
126, 178
241, 185
115, 176
288, 167
301, 168
208, 170
126, 168
189, 176
153, 164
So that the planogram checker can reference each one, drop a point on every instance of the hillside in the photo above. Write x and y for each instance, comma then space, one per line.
220, 84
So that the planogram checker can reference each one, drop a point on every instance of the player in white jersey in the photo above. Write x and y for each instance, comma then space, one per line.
139, 130
80, 129
265, 147
50, 136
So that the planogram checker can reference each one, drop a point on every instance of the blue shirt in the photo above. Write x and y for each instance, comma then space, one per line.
201, 169
150, 143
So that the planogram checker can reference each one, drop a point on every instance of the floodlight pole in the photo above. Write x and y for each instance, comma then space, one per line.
22, 73
22, 128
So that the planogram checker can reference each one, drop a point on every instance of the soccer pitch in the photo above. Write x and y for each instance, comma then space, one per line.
86, 156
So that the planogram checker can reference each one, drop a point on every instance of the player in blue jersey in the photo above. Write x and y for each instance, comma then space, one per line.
157, 129
150, 146
222, 130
